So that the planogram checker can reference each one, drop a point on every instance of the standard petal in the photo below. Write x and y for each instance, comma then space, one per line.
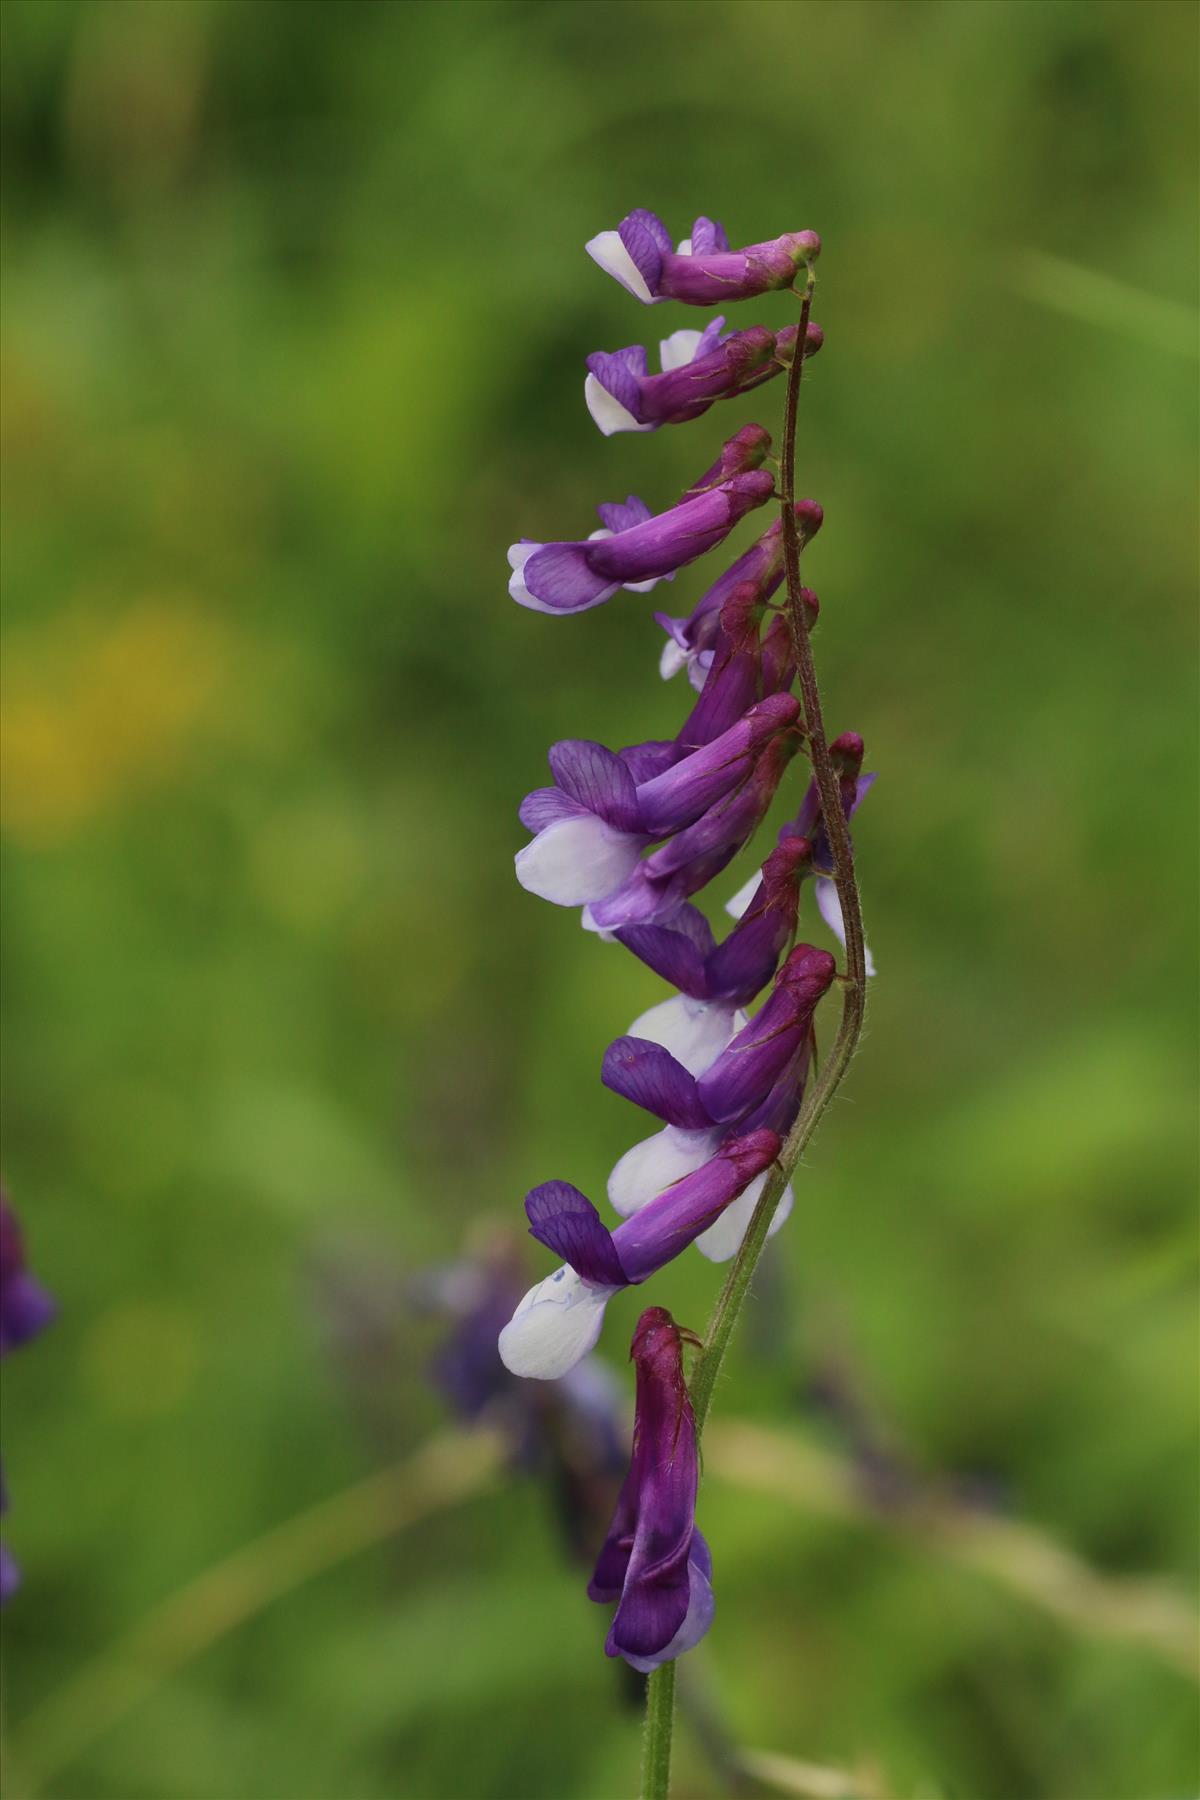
643, 1072
656, 1164
556, 1324
598, 779
566, 1222
577, 861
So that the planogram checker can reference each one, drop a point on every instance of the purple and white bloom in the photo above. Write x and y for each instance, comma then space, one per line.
662, 881
588, 836
559, 1320
654, 1563
690, 639
698, 367
702, 270
635, 549
593, 824
760, 1070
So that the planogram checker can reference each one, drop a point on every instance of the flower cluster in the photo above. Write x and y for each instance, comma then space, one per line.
25, 1310
630, 836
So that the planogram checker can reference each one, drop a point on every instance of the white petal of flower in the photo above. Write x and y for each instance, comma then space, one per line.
644, 587
694, 1031
577, 860
657, 1163
739, 905
724, 1239
830, 909
588, 920
608, 413
608, 250
679, 349
555, 1325
671, 660
685, 247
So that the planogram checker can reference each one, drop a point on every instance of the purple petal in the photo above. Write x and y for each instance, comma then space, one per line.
650, 1076
645, 238
598, 780
708, 236
667, 1225
615, 377
679, 797
645, 761
746, 1071
623, 515
566, 1222
677, 951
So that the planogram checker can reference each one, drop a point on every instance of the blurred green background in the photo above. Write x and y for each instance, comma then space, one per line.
295, 310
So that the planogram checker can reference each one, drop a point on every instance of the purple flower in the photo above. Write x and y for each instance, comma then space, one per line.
559, 1320
703, 270
25, 1309
661, 882
635, 549
690, 639
698, 367
25, 1306
593, 824
654, 1563
761, 1066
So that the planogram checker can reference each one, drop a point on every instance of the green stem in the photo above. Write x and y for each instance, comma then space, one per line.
660, 1691
656, 1744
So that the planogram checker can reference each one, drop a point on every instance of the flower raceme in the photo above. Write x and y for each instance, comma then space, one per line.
631, 836
559, 1320
654, 1563
698, 367
702, 270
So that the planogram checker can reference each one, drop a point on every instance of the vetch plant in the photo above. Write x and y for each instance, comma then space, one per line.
630, 836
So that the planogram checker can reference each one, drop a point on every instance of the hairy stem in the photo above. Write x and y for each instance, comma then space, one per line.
660, 1692
656, 1741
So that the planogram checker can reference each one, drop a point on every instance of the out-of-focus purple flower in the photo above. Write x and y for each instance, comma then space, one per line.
571, 1433
25, 1306
559, 1320
698, 367
591, 827
690, 639
654, 1562
702, 270
635, 548
25, 1309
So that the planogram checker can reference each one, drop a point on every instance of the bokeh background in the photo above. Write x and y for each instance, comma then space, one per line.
295, 307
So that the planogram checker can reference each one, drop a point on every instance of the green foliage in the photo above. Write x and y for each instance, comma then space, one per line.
295, 311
